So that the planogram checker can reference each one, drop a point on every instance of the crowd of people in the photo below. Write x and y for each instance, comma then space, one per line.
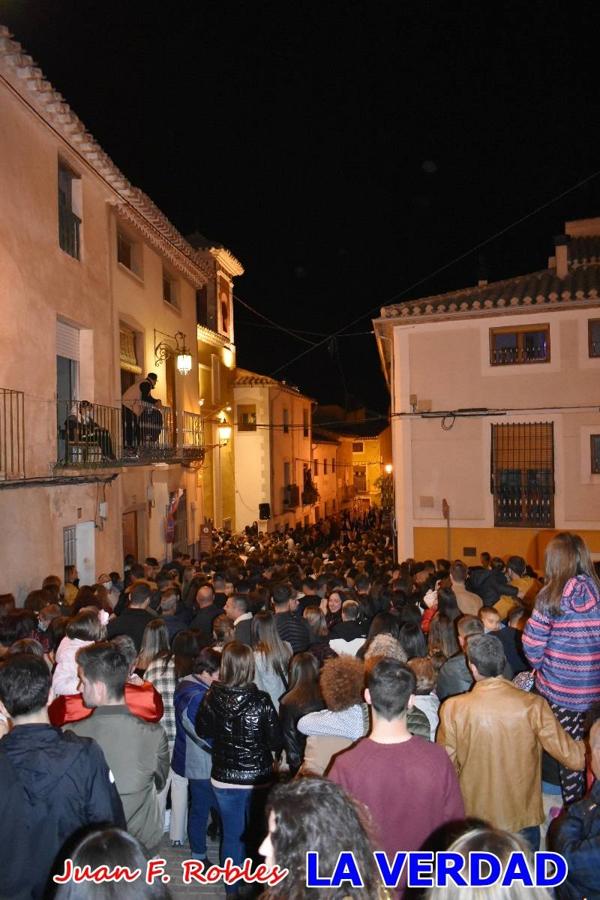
303, 691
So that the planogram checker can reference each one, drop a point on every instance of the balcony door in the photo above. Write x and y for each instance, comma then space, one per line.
169, 421
67, 380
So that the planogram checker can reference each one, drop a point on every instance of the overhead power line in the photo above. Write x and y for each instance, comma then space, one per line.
439, 270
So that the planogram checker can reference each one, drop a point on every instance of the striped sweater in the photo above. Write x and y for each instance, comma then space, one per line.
565, 650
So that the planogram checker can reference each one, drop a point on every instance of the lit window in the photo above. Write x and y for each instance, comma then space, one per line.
246, 417
520, 346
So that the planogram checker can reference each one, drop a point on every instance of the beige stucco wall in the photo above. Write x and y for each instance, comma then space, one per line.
445, 365
252, 455
39, 283
326, 484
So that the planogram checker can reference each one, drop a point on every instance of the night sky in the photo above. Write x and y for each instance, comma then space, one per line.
343, 151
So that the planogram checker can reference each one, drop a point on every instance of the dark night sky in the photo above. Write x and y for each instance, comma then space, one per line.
341, 150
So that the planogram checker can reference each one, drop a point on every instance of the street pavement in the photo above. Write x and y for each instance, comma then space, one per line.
174, 857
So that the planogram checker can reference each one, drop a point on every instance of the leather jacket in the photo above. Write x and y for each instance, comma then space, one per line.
243, 728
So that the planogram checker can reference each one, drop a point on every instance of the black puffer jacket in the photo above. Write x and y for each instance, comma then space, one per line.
244, 728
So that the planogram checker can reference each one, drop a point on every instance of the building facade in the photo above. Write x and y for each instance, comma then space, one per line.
216, 375
272, 451
97, 288
497, 446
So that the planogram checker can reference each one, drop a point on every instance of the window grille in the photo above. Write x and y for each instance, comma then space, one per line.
520, 346
70, 545
595, 448
522, 474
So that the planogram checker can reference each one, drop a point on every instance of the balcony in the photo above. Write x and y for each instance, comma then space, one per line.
12, 435
92, 435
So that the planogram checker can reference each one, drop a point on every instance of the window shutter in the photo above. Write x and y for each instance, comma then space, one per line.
67, 341
128, 356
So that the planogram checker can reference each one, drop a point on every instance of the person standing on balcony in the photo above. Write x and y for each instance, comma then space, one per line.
142, 418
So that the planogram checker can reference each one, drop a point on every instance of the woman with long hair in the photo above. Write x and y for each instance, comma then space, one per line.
165, 672
503, 845
303, 815
318, 634
303, 696
244, 729
155, 645
442, 637
271, 657
223, 632
561, 640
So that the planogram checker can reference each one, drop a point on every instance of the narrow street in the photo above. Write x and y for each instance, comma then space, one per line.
174, 857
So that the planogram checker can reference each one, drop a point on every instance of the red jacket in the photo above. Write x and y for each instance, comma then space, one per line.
143, 700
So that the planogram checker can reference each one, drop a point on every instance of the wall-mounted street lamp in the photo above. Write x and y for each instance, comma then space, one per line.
224, 432
172, 345
388, 468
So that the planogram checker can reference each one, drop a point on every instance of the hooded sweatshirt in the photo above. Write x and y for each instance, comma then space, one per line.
565, 649
66, 784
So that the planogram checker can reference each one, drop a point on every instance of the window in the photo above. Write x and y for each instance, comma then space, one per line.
305, 422
358, 447
246, 418
325, 466
521, 345
129, 253
69, 203
128, 350
169, 289
360, 479
333, 465
595, 442
286, 421
224, 306
70, 546
522, 474
286, 474
594, 337
315, 467
206, 308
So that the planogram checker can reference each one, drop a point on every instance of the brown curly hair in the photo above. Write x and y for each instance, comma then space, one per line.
342, 681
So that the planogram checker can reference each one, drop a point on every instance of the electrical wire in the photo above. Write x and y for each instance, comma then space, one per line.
272, 323
441, 269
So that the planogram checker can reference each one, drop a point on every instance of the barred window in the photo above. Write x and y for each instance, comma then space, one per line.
595, 442
522, 474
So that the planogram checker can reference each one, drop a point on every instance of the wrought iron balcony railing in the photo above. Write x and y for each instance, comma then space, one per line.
90, 434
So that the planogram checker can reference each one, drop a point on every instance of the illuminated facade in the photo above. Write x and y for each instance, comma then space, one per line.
216, 373
95, 285
272, 450
495, 409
